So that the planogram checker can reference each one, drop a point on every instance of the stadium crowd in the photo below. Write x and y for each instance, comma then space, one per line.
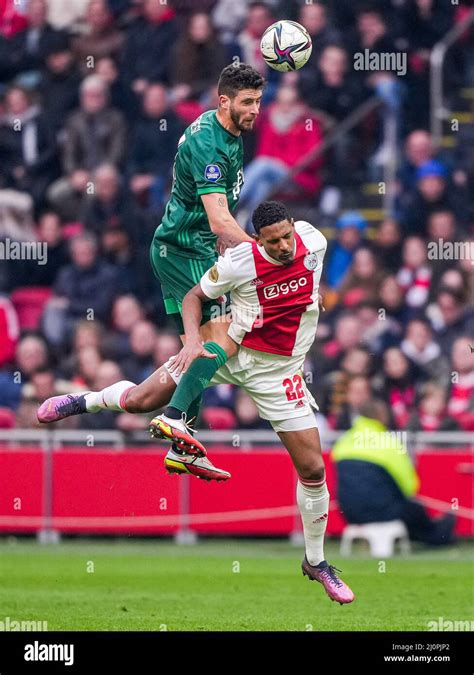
94, 95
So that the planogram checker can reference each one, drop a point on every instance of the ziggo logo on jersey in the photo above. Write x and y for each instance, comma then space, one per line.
284, 288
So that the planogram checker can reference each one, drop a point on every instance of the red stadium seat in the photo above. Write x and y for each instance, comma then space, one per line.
29, 303
7, 418
219, 418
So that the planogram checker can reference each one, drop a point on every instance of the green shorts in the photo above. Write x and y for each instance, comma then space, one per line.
177, 275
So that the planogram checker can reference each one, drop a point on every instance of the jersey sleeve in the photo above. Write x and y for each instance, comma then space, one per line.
312, 237
221, 278
209, 166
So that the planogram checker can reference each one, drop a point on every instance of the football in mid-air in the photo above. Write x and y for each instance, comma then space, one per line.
286, 45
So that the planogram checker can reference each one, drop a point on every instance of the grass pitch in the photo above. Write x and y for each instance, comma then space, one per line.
225, 585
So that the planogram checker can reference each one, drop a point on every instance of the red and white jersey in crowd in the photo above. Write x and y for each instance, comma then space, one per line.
274, 306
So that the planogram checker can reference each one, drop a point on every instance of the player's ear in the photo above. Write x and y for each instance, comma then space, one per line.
255, 236
224, 102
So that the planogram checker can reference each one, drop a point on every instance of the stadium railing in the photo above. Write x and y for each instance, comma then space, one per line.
438, 112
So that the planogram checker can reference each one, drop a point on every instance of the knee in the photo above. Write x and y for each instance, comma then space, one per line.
135, 401
313, 468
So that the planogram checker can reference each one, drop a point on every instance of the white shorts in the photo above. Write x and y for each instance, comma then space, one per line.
275, 384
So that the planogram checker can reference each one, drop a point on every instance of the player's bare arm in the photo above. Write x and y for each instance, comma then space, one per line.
221, 221
193, 348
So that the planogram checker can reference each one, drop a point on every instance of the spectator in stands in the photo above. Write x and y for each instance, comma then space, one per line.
430, 194
417, 151
126, 312
198, 58
372, 33
450, 317
441, 226
456, 279
112, 215
332, 90
60, 81
363, 275
153, 147
314, 17
70, 14
167, 344
9, 330
431, 411
95, 134
379, 329
84, 289
148, 46
347, 332
259, 17
287, 133
332, 393
415, 275
28, 47
228, 17
350, 228
31, 354
422, 350
358, 393
461, 394
86, 335
11, 19
102, 37
139, 365
376, 481
86, 365
28, 147
120, 95
49, 232
397, 385
392, 302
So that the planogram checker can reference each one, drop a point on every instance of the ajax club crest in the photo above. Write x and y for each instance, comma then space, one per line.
311, 261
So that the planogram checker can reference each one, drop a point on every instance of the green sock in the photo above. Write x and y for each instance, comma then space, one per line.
194, 409
196, 379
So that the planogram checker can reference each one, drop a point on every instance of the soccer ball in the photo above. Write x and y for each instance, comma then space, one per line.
286, 45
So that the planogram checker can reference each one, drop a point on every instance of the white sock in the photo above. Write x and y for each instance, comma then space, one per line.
110, 398
313, 503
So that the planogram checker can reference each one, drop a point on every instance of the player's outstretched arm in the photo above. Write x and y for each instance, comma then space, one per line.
221, 221
192, 315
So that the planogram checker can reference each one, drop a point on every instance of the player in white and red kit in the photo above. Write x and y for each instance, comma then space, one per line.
274, 288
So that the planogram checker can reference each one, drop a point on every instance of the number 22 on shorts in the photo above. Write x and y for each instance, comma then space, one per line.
293, 387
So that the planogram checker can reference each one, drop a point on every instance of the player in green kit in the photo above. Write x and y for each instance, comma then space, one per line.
207, 180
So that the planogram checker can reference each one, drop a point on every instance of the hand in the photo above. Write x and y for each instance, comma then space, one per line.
221, 246
193, 349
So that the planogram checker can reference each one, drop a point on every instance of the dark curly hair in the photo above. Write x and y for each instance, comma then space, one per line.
239, 76
269, 213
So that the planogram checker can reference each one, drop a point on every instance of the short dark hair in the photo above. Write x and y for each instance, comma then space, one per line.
239, 76
269, 213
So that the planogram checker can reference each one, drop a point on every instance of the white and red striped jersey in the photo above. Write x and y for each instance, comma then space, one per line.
274, 306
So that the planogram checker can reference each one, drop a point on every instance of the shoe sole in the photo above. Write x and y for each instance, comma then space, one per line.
172, 466
165, 432
305, 574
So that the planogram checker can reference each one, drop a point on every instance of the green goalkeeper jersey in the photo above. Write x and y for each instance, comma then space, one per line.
209, 159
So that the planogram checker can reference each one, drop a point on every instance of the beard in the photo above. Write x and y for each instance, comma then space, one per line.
236, 120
